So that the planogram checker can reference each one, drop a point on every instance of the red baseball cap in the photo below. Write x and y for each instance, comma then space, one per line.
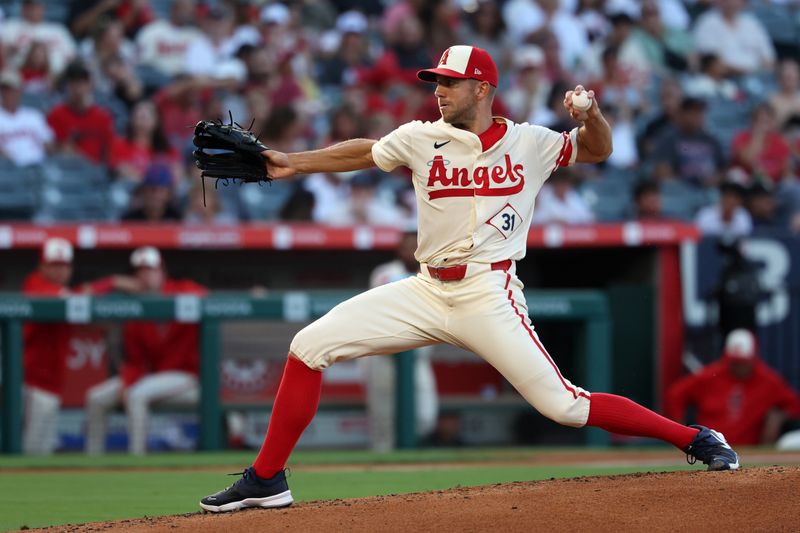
465, 62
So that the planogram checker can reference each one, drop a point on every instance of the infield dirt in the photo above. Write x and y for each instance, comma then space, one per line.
755, 499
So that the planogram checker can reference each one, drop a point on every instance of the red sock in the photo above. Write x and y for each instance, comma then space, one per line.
621, 415
294, 407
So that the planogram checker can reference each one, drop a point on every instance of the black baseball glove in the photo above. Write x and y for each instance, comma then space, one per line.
229, 152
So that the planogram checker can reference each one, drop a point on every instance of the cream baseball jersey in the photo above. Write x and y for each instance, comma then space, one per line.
474, 206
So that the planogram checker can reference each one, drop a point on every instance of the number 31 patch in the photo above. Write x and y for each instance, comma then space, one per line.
506, 221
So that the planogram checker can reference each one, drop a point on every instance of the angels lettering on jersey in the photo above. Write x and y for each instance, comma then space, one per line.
449, 180
475, 199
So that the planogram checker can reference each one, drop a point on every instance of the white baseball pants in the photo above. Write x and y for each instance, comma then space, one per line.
172, 388
40, 426
484, 313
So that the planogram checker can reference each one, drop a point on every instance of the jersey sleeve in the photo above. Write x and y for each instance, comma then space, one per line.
187, 286
555, 149
395, 149
785, 397
37, 285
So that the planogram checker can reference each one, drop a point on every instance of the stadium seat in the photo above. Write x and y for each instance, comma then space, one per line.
151, 78
778, 21
119, 197
161, 7
75, 172
20, 188
609, 200
11, 8
627, 176
41, 101
724, 119
57, 11
680, 200
74, 189
264, 202
113, 105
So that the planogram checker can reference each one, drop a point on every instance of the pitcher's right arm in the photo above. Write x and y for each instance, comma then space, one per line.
346, 156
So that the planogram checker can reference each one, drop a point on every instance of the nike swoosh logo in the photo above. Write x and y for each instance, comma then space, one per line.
439, 145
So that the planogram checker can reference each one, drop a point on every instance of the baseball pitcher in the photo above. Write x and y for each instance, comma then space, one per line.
476, 177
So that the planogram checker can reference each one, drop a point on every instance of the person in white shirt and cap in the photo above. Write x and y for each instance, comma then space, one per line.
560, 203
47, 344
162, 43
46, 348
32, 26
380, 371
26, 136
161, 362
527, 97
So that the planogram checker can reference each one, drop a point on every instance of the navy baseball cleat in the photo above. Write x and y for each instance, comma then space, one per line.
711, 448
250, 491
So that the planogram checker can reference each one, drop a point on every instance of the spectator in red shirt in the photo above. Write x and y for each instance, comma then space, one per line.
762, 149
47, 343
134, 15
186, 101
739, 395
161, 362
81, 125
143, 144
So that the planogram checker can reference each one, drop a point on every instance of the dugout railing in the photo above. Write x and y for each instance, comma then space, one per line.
586, 307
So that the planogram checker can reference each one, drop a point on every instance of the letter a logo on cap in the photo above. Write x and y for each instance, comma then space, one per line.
463, 62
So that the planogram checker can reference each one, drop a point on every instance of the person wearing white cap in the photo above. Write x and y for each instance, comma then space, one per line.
347, 50
163, 42
380, 371
26, 135
46, 347
160, 365
213, 53
530, 86
46, 344
32, 25
739, 395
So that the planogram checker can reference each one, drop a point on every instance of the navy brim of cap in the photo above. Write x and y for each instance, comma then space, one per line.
429, 74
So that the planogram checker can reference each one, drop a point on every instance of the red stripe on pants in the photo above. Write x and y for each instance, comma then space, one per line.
538, 344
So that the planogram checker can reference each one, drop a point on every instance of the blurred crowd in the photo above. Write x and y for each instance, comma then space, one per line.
703, 98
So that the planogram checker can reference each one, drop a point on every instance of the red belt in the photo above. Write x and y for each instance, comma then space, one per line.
457, 272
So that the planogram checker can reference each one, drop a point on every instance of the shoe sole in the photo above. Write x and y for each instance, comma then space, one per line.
725, 466
284, 499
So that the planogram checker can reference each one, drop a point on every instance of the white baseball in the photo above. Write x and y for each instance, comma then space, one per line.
581, 101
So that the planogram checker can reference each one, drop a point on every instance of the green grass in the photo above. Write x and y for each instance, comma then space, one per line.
239, 459
45, 498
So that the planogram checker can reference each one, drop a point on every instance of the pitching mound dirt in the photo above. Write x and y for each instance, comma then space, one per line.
757, 499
